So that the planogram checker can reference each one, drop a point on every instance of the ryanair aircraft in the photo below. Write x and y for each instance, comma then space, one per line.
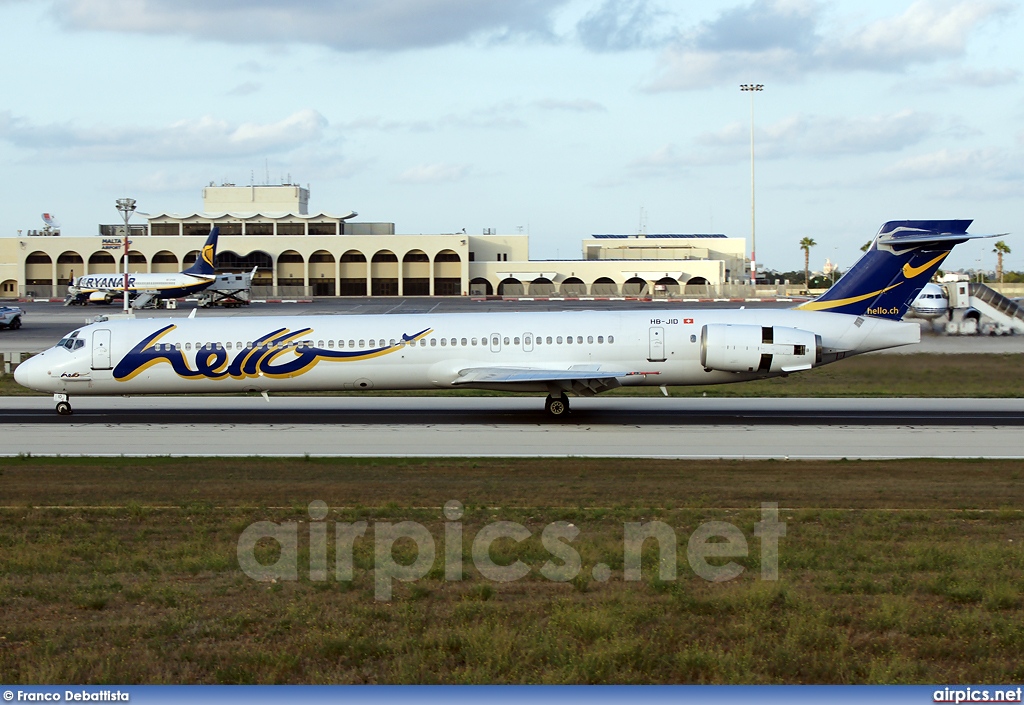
103, 288
578, 352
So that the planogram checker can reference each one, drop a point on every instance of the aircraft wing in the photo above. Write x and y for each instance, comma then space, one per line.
585, 380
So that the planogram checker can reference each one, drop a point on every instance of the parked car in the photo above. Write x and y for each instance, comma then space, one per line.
10, 317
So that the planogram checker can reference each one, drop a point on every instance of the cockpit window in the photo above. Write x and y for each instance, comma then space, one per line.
71, 342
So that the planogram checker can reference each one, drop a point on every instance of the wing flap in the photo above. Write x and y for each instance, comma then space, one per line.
583, 380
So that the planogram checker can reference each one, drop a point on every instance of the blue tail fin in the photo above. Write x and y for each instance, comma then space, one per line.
206, 261
901, 260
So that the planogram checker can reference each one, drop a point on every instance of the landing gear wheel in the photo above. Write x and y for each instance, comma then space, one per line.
64, 408
557, 407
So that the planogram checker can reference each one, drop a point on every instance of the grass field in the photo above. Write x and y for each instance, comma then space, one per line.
125, 571
921, 375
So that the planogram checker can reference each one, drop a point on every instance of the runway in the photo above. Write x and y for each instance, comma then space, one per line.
648, 427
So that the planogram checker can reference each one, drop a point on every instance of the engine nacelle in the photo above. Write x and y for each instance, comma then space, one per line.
745, 348
99, 297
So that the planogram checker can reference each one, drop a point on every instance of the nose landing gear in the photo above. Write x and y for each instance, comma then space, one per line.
63, 405
557, 407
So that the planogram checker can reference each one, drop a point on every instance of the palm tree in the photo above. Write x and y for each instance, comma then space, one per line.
1000, 249
806, 244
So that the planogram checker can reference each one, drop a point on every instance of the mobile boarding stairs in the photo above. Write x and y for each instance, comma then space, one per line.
1007, 314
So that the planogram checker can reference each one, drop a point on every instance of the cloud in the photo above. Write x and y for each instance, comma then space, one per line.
813, 136
435, 173
958, 78
206, 137
762, 26
344, 25
577, 106
788, 39
929, 30
818, 136
622, 26
244, 89
500, 116
666, 161
962, 163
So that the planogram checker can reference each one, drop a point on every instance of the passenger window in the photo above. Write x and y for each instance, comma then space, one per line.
362, 343
693, 339
330, 344
506, 340
528, 339
590, 339
568, 340
319, 343
392, 341
351, 343
548, 340
455, 341
600, 339
238, 345
611, 339
558, 340
188, 346
495, 340
579, 339
474, 342
423, 342
463, 342
433, 342
444, 341
515, 341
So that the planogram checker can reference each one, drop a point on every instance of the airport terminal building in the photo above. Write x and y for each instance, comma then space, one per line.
301, 254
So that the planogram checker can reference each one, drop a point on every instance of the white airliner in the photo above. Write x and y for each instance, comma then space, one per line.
579, 352
931, 303
103, 288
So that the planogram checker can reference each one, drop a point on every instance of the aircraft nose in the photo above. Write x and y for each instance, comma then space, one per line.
31, 373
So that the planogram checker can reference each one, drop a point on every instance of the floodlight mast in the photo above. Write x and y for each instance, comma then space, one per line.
752, 88
126, 206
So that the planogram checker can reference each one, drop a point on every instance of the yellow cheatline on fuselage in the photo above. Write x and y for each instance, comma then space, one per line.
911, 272
825, 305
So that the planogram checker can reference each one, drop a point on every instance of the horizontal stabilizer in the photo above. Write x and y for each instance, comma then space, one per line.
898, 233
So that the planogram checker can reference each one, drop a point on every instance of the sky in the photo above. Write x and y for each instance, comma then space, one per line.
559, 118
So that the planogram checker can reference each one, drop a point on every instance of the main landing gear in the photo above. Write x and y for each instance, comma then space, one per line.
63, 405
557, 407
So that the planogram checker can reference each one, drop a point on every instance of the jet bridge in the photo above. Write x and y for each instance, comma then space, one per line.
1005, 312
